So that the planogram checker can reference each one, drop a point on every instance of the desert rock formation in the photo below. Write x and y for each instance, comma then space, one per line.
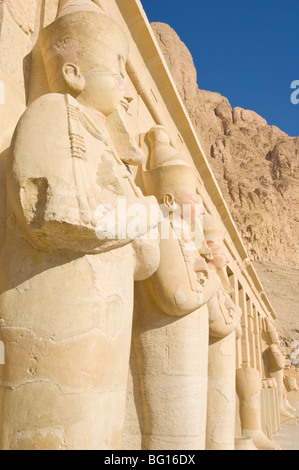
256, 164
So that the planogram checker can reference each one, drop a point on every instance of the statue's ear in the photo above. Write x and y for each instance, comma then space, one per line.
169, 200
73, 77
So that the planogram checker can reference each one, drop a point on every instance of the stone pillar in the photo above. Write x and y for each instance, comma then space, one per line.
274, 361
171, 330
285, 416
272, 406
173, 383
258, 352
264, 410
277, 405
249, 392
245, 332
251, 335
66, 293
235, 297
225, 327
221, 393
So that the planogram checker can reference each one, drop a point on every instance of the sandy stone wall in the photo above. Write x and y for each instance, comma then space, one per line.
20, 23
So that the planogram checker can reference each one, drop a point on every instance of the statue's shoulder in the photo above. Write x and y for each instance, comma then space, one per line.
42, 132
51, 100
49, 110
45, 117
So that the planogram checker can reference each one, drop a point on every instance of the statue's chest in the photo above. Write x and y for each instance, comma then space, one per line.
97, 165
95, 161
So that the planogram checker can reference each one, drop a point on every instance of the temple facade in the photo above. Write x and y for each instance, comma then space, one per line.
187, 355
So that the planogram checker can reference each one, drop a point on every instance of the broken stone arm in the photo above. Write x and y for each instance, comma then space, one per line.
46, 203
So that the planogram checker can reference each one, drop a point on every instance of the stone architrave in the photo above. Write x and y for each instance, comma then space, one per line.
170, 333
66, 283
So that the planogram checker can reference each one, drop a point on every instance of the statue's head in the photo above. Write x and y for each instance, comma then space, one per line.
170, 178
272, 333
84, 53
214, 235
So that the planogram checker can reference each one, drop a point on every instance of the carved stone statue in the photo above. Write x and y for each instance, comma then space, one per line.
291, 395
290, 384
249, 386
224, 320
170, 333
274, 364
66, 286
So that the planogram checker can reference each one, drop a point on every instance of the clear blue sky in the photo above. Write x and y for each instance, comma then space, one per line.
247, 50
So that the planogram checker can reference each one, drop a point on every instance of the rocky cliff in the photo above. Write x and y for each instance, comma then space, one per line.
257, 168
256, 164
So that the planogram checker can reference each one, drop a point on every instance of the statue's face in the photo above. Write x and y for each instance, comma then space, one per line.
219, 256
104, 86
192, 210
216, 245
190, 204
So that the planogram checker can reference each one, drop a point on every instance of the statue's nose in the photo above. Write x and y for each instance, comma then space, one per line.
126, 100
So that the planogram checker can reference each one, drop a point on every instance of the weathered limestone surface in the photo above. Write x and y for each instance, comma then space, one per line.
224, 329
66, 294
20, 23
67, 297
274, 361
170, 330
249, 393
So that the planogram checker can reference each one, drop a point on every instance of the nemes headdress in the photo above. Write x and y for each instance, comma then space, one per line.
168, 171
84, 35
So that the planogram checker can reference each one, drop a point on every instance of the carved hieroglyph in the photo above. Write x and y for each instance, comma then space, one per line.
66, 297
170, 332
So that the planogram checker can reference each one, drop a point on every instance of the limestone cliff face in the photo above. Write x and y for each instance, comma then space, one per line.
256, 164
